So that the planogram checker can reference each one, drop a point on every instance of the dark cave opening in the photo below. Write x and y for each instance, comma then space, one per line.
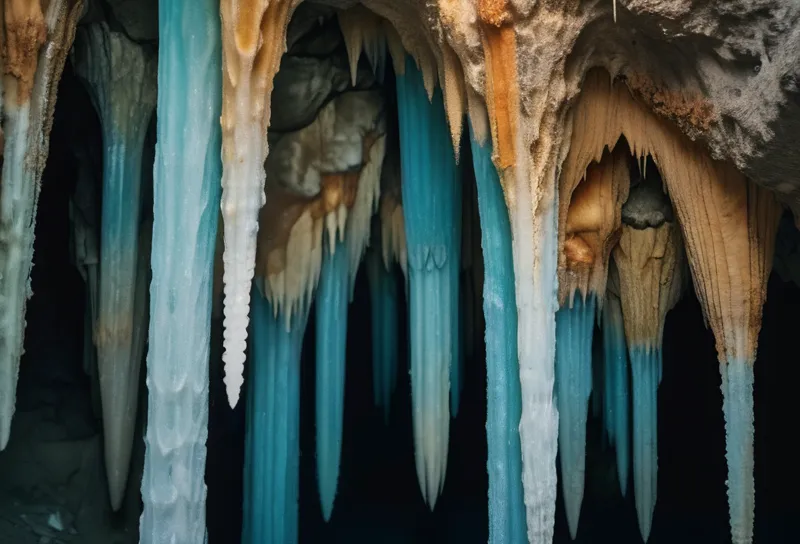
378, 498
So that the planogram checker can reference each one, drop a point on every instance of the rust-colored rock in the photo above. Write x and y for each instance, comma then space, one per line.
592, 227
24, 33
650, 264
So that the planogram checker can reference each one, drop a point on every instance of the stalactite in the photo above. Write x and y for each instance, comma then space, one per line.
503, 403
120, 76
253, 39
35, 44
617, 384
272, 436
186, 190
728, 226
331, 357
430, 199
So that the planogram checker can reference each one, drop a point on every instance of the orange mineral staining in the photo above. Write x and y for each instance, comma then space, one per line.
24, 32
593, 222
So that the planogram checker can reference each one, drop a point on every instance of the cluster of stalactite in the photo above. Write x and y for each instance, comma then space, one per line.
296, 140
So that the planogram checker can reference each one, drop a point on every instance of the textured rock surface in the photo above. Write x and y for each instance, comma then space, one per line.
727, 72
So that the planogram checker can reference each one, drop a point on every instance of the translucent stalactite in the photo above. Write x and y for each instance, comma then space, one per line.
574, 326
591, 219
535, 246
385, 327
331, 330
430, 199
503, 401
387, 250
186, 179
737, 406
457, 353
35, 40
272, 435
645, 364
649, 278
728, 225
253, 40
617, 386
120, 76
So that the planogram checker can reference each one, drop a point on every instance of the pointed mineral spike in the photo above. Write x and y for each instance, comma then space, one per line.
28, 101
331, 327
186, 192
644, 368
573, 386
737, 405
503, 402
272, 441
535, 249
253, 40
383, 295
648, 276
617, 386
591, 211
728, 226
361, 29
430, 190
121, 78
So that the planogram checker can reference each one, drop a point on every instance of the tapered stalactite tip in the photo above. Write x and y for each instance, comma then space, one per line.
737, 404
5, 431
233, 380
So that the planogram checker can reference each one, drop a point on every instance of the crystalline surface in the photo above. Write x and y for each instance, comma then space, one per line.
737, 405
186, 198
120, 76
272, 439
503, 402
431, 200
331, 327
34, 58
645, 369
617, 387
573, 388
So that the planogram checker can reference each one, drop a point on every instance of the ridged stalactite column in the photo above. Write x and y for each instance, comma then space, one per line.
503, 397
120, 76
186, 193
650, 262
36, 37
253, 40
533, 213
728, 225
431, 191
590, 217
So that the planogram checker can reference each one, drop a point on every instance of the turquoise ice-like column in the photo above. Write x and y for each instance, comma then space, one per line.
574, 327
331, 342
430, 196
598, 382
384, 304
737, 405
503, 401
457, 361
186, 193
120, 77
26, 114
616, 384
457, 366
272, 434
645, 370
